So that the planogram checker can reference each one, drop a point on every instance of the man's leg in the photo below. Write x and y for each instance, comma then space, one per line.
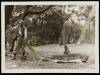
12, 47
23, 50
12, 44
16, 48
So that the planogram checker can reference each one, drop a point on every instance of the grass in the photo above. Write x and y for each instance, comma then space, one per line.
55, 49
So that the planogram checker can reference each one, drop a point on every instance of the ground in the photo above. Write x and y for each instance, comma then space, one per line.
52, 49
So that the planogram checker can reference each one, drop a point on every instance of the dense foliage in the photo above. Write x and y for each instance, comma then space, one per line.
45, 23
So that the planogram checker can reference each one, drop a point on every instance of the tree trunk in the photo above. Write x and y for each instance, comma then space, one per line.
64, 35
87, 26
64, 41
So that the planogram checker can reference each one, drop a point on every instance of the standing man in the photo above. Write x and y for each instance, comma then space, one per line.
19, 41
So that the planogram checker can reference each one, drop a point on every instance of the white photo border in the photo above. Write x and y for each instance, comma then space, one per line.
4, 70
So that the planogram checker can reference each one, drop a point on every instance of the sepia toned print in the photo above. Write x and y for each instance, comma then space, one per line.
50, 36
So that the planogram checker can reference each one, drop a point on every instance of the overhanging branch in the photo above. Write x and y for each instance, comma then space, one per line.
35, 12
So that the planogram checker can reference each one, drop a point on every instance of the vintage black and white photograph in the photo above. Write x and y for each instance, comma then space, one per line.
50, 37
